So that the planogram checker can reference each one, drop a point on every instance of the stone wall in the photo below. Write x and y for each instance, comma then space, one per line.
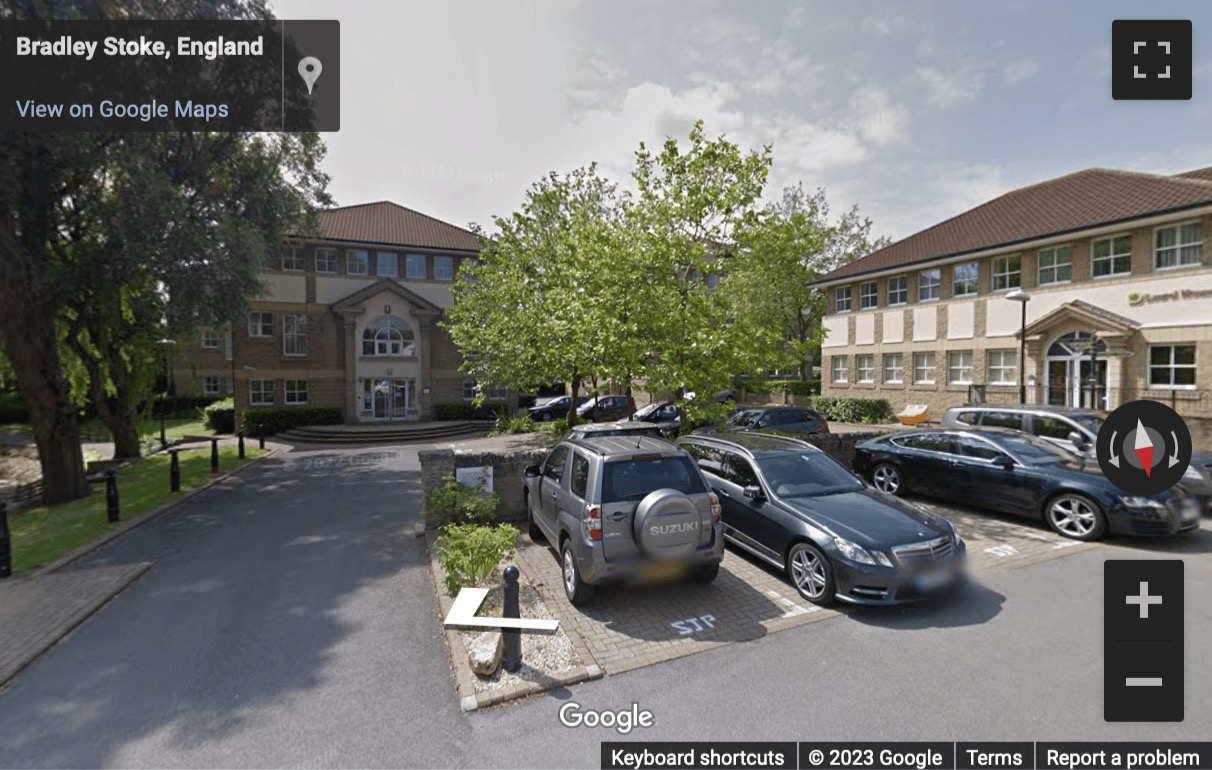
508, 472
840, 446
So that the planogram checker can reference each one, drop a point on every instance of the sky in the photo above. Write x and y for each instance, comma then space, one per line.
913, 111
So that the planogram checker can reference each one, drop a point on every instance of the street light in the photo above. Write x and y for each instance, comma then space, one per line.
166, 345
1018, 295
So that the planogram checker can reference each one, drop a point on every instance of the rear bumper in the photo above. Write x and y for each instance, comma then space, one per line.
596, 570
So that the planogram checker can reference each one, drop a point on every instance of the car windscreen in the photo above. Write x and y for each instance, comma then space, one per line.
1033, 451
806, 474
633, 479
744, 419
647, 410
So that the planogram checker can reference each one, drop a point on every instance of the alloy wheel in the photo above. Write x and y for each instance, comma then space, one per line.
887, 479
808, 572
1075, 516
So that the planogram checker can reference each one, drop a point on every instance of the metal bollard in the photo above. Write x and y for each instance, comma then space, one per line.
260, 441
174, 471
241, 438
6, 543
511, 659
111, 496
214, 455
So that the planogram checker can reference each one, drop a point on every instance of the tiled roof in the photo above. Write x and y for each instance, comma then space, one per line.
1199, 173
1080, 200
391, 224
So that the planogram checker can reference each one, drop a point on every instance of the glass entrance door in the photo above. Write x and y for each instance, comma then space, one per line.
389, 398
1068, 375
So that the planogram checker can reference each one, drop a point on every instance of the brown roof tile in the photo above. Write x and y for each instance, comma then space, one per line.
1073, 202
1199, 173
391, 224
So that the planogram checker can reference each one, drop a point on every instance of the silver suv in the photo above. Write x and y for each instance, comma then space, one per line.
621, 508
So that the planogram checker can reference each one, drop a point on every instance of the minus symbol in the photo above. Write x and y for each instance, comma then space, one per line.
1144, 681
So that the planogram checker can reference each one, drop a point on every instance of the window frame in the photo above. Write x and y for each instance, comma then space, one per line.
990, 368
265, 321
1016, 273
379, 262
975, 281
1054, 267
1112, 255
443, 259
1172, 367
859, 369
933, 367
252, 390
952, 367
865, 296
410, 260
289, 335
1179, 245
206, 383
286, 391
352, 260
936, 285
207, 336
903, 291
839, 293
843, 369
900, 367
326, 251
295, 255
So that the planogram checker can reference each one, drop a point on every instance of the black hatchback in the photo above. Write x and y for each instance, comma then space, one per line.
799, 420
793, 506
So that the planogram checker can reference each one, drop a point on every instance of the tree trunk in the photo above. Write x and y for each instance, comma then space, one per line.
127, 444
572, 404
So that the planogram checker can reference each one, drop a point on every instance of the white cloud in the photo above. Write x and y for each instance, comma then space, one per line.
1020, 70
944, 90
876, 118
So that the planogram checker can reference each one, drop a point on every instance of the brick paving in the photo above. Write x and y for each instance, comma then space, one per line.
36, 612
626, 628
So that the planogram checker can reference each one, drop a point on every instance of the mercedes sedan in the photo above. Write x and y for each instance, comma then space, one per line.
1008, 471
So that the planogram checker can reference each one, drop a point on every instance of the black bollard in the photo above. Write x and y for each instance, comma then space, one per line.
511, 659
214, 455
111, 496
260, 441
174, 471
6, 543
241, 437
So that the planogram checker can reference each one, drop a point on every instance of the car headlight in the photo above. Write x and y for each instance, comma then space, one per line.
955, 536
1192, 474
853, 551
1132, 501
882, 558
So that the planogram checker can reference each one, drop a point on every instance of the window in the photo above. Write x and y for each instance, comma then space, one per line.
357, 262
1003, 420
294, 334
326, 261
580, 475
1050, 427
840, 366
1111, 256
930, 442
1172, 366
841, 297
864, 367
964, 279
211, 385
554, 467
898, 290
388, 264
959, 367
1007, 273
977, 449
443, 269
260, 324
416, 266
471, 389
292, 258
1178, 246
1056, 265
389, 336
968, 418
928, 283
894, 368
296, 391
739, 471
210, 339
923, 368
868, 295
261, 392
1000, 367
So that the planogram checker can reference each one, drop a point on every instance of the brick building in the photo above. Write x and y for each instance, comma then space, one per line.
348, 319
1118, 292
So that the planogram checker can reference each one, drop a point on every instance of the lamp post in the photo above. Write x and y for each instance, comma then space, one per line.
1022, 297
166, 345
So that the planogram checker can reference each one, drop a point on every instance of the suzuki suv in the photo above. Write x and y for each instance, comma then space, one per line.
623, 508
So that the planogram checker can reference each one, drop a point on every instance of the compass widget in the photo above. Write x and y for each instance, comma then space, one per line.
1144, 447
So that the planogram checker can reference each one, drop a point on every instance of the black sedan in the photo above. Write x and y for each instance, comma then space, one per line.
792, 505
664, 414
785, 419
554, 409
1008, 471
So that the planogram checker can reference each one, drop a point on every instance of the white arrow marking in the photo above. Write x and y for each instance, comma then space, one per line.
463, 613
1114, 457
1174, 457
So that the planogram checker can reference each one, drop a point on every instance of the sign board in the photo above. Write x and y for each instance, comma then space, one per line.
475, 477
1116, 353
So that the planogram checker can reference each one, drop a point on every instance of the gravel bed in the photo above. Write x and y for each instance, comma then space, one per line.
543, 655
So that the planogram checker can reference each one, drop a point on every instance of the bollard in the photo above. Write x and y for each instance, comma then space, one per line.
111, 496
214, 455
241, 438
260, 441
174, 472
511, 659
6, 543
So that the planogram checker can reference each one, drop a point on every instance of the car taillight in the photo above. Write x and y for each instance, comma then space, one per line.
715, 507
592, 524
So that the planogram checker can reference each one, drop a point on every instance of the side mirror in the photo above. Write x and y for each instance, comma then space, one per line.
1003, 460
532, 471
1078, 440
754, 493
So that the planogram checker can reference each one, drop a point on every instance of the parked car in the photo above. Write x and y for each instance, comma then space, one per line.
606, 408
1006, 470
799, 420
617, 428
793, 506
553, 408
1069, 428
616, 507
663, 414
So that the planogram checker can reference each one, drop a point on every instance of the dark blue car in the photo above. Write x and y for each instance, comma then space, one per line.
1005, 470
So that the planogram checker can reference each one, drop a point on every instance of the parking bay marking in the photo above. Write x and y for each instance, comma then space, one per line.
1003, 550
1055, 543
683, 627
793, 609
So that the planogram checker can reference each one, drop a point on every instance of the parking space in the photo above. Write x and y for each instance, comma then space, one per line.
627, 627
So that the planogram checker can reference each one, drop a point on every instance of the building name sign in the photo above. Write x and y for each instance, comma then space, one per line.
1136, 298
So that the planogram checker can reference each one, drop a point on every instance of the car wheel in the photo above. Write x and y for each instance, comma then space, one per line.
887, 478
536, 534
1075, 516
811, 574
577, 591
706, 574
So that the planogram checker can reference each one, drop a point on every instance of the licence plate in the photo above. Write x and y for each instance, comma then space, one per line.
1189, 511
933, 580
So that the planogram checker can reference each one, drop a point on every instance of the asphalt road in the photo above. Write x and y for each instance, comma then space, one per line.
288, 622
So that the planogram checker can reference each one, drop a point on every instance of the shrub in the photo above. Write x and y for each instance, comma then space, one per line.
470, 552
795, 387
268, 420
560, 426
220, 417
454, 501
868, 410
518, 423
461, 410
183, 406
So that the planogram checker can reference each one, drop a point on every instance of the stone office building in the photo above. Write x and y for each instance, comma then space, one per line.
348, 319
1109, 263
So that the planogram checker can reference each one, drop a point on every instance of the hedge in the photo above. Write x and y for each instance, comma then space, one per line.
268, 420
220, 417
868, 410
183, 406
776, 387
462, 410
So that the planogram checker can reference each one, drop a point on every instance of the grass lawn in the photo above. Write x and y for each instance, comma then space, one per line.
44, 534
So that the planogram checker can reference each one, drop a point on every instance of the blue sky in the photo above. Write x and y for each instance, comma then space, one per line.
914, 111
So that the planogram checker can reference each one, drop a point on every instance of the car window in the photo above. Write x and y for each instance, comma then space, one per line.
1088, 421
580, 475
807, 474
554, 467
668, 411
744, 419
1003, 420
975, 448
931, 442
634, 479
709, 459
1050, 427
644, 411
740, 470
968, 418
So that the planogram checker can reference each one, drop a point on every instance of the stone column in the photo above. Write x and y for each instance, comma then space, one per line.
349, 353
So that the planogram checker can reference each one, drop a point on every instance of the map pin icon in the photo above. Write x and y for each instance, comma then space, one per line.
310, 68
